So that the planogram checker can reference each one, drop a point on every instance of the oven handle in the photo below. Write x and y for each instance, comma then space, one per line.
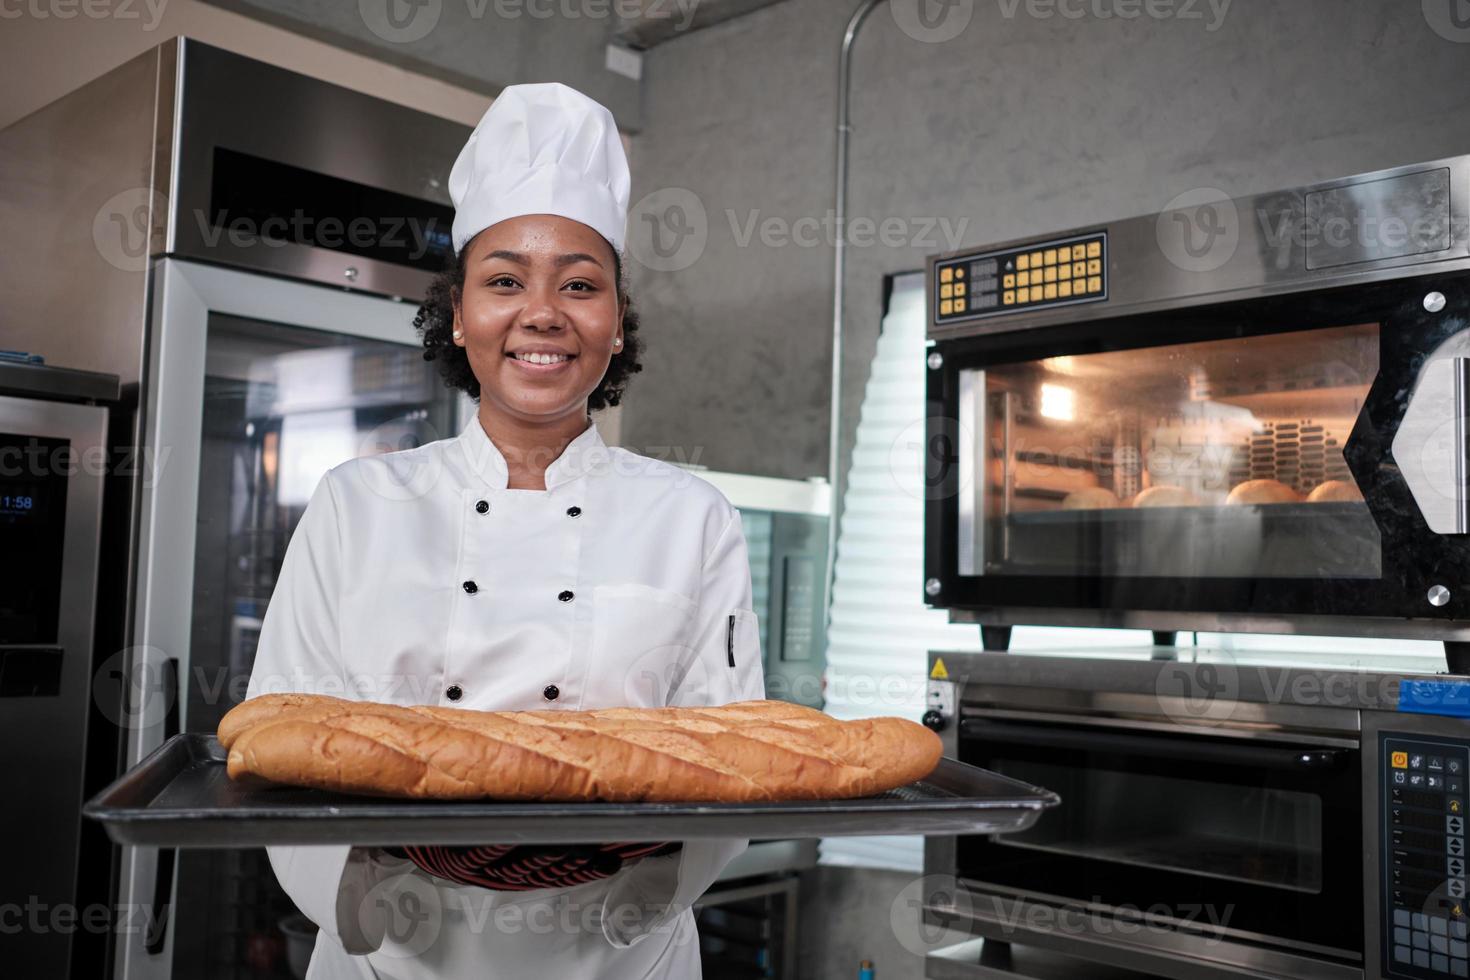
1256, 756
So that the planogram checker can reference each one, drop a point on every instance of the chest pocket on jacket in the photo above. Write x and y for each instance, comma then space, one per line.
641, 644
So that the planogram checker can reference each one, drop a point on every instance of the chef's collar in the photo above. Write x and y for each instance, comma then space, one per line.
585, 454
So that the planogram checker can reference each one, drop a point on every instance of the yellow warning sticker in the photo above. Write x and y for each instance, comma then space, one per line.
939, 673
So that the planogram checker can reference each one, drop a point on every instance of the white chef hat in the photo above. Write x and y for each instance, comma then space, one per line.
542, 149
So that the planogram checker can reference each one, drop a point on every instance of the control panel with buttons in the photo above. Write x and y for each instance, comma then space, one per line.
1425, 924
1053, 273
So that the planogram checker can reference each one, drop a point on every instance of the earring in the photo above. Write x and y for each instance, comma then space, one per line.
617, 341
458, 334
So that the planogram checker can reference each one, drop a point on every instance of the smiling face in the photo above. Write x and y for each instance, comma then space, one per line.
539, 316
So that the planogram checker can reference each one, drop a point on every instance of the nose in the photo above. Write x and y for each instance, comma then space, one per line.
542, 312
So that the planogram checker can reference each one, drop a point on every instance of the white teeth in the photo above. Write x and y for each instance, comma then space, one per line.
535, 358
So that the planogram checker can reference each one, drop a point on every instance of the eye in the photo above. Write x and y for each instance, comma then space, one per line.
581, 286
502, 282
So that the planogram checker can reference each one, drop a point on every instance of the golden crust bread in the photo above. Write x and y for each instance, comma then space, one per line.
1091, 498
741, 752
1165, 495
1335, 491
1262, 492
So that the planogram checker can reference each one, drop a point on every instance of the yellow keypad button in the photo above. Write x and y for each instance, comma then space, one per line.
959, 289
946, 274
1064, 289
946, 291
1094, 284
1079, 269
1401, 760
1008, 298
1051, 273
1023, 296
1094, 267
1051, 256
959, 273
1023, 262
1079, 252
1064, 272
1009, 281
1051, 291
1094, 250
946, 307
1038, 259
1023, 279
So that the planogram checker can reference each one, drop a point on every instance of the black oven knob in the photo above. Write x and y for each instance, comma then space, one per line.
932, 720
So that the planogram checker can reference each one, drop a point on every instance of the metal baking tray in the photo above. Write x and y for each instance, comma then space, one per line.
180, 796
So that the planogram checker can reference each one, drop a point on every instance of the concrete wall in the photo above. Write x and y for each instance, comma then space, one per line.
1021, 124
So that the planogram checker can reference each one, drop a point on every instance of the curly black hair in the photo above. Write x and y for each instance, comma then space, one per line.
435, 324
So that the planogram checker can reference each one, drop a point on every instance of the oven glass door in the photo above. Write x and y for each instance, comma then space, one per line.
1143, 462
281, 405
1255, 839
1234, 458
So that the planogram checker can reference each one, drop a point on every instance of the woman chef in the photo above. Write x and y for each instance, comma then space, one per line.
520, 565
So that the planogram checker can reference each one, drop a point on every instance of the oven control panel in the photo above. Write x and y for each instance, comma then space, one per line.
1057, 272
1424, 927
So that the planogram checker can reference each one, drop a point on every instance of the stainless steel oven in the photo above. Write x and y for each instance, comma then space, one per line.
1247, 415
1244, 415
1221, 817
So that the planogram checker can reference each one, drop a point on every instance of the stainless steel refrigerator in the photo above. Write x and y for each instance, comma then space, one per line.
53, 440
245, 247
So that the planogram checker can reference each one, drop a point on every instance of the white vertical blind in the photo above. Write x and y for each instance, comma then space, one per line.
881, 630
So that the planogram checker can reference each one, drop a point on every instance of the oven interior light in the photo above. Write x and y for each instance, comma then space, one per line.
1058, 402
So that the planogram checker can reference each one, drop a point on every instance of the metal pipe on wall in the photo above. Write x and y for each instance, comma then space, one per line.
844, 127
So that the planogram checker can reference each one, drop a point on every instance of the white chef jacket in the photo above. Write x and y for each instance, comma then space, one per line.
418, 577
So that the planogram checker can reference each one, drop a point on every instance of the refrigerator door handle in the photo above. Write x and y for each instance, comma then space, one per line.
163, 871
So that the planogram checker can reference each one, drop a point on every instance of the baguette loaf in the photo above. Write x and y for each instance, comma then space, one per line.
747, 751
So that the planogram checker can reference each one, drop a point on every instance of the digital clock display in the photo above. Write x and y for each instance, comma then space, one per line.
34, 474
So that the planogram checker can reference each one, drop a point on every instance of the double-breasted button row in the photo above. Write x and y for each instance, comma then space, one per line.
550, 692
483, 507
565, 595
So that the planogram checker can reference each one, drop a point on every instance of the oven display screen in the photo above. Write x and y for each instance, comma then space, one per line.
1424, 908
1058, 272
